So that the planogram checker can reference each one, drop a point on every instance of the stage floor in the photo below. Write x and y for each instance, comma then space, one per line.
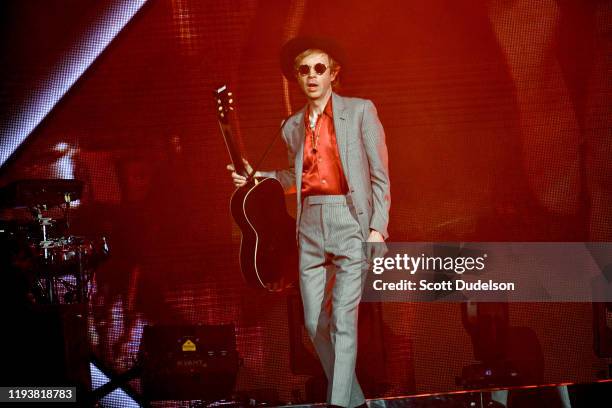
565, 395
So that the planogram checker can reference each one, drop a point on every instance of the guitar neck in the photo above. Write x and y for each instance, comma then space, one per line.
233, 149
225, 102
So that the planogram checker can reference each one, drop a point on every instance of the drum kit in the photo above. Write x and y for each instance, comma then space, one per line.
58, 268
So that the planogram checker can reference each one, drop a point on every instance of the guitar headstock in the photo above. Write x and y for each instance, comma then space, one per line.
225, 102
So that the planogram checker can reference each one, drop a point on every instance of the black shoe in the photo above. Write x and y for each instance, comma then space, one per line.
364, 405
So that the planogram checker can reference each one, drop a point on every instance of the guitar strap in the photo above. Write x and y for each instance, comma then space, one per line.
265, 154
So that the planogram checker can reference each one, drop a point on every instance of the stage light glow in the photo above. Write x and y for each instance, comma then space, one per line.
61, 147
46, 92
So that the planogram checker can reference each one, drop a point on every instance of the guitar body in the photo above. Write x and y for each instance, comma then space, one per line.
268, 249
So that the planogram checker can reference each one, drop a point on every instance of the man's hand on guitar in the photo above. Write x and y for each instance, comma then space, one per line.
238, 179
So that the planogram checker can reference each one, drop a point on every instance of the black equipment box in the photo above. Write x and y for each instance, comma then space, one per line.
188, 362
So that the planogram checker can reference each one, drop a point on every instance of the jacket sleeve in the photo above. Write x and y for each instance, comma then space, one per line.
375, 146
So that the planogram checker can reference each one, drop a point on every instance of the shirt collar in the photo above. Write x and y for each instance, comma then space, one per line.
329, 111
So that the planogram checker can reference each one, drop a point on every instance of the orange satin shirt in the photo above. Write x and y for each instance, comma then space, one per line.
322, 170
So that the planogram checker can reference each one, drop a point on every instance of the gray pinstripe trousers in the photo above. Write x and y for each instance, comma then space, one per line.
330, 236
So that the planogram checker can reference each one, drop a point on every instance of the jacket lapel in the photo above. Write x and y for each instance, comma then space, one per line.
340, 126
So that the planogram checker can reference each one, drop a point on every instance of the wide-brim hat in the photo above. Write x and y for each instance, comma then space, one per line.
297, 45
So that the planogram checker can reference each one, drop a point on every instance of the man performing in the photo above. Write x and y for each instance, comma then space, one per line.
339, 168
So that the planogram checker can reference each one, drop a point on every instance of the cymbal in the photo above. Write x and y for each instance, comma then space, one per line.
35, 192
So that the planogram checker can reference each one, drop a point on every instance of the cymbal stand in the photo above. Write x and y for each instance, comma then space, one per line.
45, 244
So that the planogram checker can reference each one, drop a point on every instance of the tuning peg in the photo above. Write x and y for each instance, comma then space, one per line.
229, 94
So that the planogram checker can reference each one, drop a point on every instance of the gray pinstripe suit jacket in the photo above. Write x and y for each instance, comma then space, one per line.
363, 153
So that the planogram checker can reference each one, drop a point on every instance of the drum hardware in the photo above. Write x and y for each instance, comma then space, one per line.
45, 244
63, 264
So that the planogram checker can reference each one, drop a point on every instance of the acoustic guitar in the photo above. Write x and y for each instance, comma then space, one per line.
268, 248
